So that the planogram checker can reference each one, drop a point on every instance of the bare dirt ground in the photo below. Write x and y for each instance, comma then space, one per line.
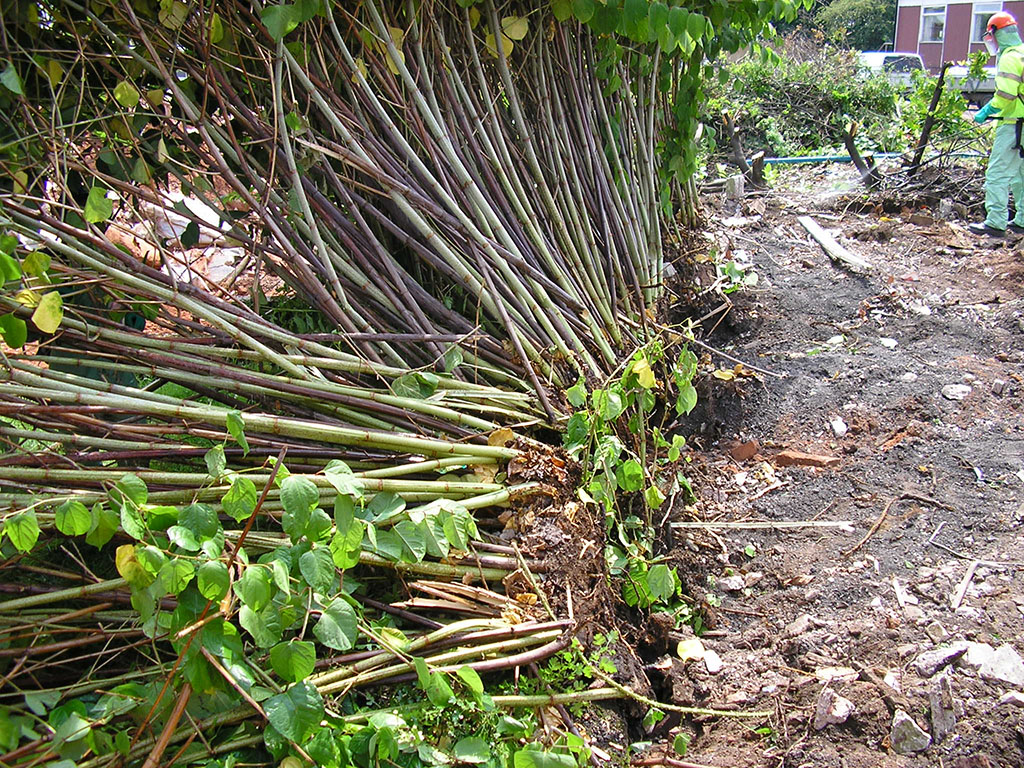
910, 378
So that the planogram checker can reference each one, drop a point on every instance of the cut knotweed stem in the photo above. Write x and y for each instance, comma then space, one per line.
263, 423
673, 707
437, 570
426, 466
198, 479
464, 626
493, 663
449, 661
60, 595
552, 699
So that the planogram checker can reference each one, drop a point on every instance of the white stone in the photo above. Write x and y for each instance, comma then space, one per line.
956, 392
936, 632
892, 679
836, 674
839, 428
908, 377
931, 661
713, 662
731, 583
976, 654
798, 626
888, 343
906, 736
734, 187
832, 709
1016, 698
1005, 665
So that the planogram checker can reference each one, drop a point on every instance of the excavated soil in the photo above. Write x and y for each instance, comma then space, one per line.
906, 383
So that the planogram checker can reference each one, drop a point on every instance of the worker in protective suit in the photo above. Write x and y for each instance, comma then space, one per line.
1005, 172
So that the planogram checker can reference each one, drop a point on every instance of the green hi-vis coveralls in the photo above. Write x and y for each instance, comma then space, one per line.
1005, 172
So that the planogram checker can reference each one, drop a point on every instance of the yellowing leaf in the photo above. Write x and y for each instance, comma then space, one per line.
55, 72
474, 17
173, 13
644, 374
691, 648
20, 182
361, 70
501, 437
515, 27
48, 315
126, 94
216, 29
724, 374
27, 298
397, 36
125, 560
484, 473
155, 97
394, 66
506, 45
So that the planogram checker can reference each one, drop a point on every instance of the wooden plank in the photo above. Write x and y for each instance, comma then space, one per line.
830, 246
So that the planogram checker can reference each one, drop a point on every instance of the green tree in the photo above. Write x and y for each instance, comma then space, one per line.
866, 25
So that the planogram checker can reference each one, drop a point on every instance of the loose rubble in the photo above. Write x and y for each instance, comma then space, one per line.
906, 736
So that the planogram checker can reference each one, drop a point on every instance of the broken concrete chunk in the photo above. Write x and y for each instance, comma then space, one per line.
831, 709
906, 736
931, 661
734, 187
943, 713
937, 632
1014, 698
836, 674
976, 654
1005, 665
798, 626
731, 583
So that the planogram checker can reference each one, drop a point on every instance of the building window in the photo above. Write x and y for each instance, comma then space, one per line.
982, 12
933, 23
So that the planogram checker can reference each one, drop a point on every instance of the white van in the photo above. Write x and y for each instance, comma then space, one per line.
897, 66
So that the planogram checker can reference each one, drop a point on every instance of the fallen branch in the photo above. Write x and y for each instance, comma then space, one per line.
669, 761
673, 707
961, 590
828, 243
772, 525
885, 513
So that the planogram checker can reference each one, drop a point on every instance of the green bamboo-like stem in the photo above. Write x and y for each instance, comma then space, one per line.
72, 593
464, 626
199, 479
490, 223
554, 699
263, 423
443, 662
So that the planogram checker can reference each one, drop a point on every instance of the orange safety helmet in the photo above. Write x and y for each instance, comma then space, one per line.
1000, 20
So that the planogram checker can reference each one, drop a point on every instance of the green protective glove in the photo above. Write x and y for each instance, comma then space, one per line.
985, 113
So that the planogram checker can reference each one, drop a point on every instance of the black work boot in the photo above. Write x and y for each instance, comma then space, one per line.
981, 228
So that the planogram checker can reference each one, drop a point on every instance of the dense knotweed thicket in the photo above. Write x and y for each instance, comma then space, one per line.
792, 104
